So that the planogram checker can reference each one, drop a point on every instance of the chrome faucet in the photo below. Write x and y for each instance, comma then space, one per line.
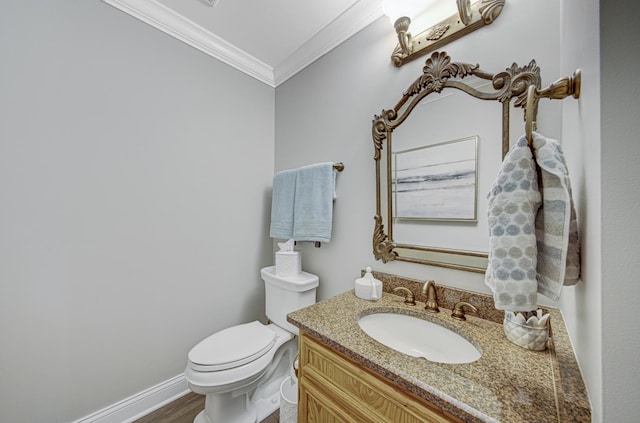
429, 288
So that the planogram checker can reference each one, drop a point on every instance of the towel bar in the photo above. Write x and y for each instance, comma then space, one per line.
562, 88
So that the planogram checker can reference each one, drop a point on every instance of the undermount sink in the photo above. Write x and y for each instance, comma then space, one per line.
419, 338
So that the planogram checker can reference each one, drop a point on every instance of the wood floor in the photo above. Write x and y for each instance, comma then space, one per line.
185, 409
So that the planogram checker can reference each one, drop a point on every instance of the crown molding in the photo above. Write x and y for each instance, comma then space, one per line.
166, 20
354, 19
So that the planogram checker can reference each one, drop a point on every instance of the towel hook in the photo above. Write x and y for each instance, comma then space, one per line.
528, 114
562, 88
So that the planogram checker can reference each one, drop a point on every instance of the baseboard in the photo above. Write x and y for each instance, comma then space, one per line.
140, 404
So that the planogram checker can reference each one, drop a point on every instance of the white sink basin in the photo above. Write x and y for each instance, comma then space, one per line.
419, 338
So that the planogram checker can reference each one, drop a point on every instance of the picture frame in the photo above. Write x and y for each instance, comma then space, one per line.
436, 182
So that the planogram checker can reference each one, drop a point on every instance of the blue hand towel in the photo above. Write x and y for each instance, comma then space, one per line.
313, 205
282, 202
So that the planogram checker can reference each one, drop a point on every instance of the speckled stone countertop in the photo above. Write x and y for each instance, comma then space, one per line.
507, 384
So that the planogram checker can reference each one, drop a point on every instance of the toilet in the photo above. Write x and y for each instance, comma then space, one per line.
240, 368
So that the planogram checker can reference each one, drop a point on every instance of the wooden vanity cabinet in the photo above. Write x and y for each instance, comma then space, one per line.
334, 388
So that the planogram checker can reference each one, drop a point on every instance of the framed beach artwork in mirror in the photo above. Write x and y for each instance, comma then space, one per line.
436, 152
436, 182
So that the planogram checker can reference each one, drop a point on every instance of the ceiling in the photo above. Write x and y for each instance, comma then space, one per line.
270, 40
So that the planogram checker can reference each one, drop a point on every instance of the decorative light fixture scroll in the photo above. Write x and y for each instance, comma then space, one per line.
439, 73
469, 18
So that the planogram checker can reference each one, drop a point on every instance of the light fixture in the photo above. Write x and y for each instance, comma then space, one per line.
468, 18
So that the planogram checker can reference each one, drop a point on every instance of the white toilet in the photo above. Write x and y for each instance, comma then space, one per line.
240, 368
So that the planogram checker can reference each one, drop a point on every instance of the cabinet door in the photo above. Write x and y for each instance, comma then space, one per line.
332, 384
315, 407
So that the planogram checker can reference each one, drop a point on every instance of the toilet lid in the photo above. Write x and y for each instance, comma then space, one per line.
233, 347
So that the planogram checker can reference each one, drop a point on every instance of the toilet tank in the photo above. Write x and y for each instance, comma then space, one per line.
285, 294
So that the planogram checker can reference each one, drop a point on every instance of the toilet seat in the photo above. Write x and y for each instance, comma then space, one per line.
232, 347
205, 380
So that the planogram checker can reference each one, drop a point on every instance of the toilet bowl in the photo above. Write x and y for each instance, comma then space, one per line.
240, 368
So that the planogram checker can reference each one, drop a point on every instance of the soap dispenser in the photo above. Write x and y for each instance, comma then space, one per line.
368, 287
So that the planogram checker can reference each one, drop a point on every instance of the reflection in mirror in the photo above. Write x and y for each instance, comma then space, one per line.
436, 182
430, 158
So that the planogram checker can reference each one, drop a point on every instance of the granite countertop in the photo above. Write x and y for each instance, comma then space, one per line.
507, 384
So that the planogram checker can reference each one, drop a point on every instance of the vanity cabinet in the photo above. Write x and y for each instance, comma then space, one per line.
335, 388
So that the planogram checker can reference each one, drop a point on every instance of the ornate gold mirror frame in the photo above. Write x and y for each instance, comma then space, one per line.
439, 73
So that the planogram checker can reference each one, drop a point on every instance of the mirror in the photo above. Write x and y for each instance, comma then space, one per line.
429, 156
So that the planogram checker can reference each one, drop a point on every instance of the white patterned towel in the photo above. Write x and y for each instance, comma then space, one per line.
556, 223
514, 200
533, 236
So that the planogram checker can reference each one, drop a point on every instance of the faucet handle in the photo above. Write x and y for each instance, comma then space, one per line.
409, 298
458, 310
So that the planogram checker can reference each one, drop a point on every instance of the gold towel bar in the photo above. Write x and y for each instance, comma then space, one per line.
338, 166
562, 88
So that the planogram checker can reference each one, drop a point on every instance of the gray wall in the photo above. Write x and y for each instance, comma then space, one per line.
116, 146
620, 41
581, 305
134, 207
324, 113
